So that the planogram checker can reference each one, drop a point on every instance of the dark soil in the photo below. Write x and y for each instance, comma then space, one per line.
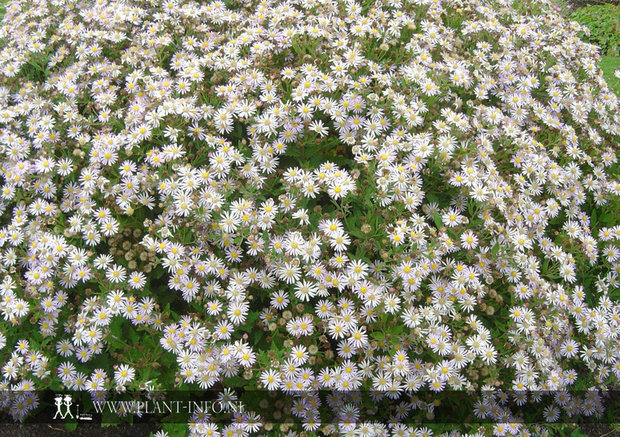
83, 430
599, 430
144, 430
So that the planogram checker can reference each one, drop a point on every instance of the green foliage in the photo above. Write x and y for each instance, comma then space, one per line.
603, 21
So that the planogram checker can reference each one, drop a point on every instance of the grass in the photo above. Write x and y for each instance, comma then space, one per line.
609, 64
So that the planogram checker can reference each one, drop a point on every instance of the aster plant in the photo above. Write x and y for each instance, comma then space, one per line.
392, 197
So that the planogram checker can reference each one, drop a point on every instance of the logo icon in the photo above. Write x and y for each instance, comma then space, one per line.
63, 401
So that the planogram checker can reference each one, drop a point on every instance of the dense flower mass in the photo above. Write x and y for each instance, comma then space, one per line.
393, 196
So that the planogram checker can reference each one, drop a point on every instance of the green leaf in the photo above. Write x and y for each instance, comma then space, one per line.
437, 219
